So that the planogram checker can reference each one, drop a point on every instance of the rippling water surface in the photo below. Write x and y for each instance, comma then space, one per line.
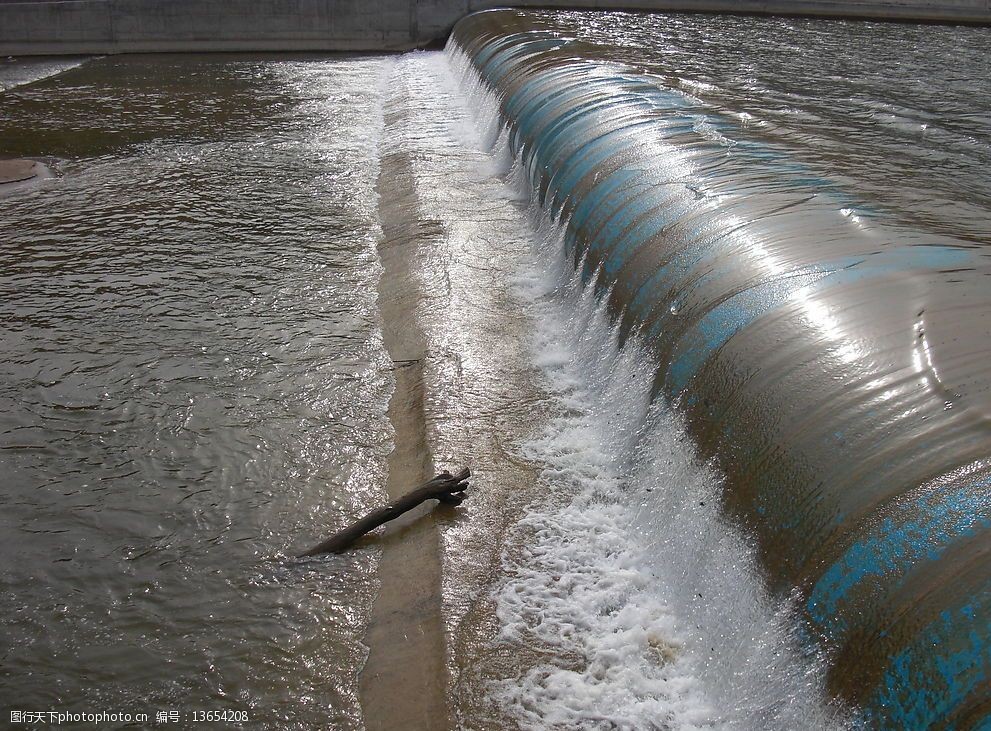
898, 114
191, 385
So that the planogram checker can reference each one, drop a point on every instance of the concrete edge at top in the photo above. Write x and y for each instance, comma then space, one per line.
74, 27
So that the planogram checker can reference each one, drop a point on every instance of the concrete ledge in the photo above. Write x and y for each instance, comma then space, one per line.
19, 174
74, 27
140, 26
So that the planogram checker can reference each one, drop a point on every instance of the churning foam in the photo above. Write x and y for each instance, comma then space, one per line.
646, 606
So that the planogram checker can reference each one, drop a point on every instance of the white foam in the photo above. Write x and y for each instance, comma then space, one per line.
575, 585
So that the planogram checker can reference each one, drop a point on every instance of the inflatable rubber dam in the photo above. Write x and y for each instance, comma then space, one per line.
831, 361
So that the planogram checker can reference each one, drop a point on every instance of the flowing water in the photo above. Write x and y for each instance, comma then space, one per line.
695, 226
193, 383
896, 115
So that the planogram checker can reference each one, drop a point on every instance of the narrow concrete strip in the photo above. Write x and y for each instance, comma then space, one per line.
189, 26
16, 171
404, 680
20, 174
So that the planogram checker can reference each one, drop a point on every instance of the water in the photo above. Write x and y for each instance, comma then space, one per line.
19, 71
605, 627
193, 384
897, 113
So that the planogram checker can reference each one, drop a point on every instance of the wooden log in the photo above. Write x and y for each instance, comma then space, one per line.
445, 487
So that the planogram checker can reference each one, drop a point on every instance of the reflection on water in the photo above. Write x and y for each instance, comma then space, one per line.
192, 385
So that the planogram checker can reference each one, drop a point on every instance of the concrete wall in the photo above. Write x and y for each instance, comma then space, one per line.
131, 26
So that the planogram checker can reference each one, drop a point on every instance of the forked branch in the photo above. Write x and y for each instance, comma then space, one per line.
445, 487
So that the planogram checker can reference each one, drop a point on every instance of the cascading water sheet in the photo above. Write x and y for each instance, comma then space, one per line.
828, 356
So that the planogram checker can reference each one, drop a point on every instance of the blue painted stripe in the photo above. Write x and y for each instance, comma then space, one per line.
919, 531
722, 322
729, 317
928, 680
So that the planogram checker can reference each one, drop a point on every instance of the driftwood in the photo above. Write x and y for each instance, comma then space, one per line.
445, 487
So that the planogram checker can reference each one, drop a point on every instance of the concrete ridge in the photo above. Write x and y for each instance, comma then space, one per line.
404, 679
70, 27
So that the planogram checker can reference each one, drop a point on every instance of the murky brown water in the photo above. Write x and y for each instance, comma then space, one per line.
191, 385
